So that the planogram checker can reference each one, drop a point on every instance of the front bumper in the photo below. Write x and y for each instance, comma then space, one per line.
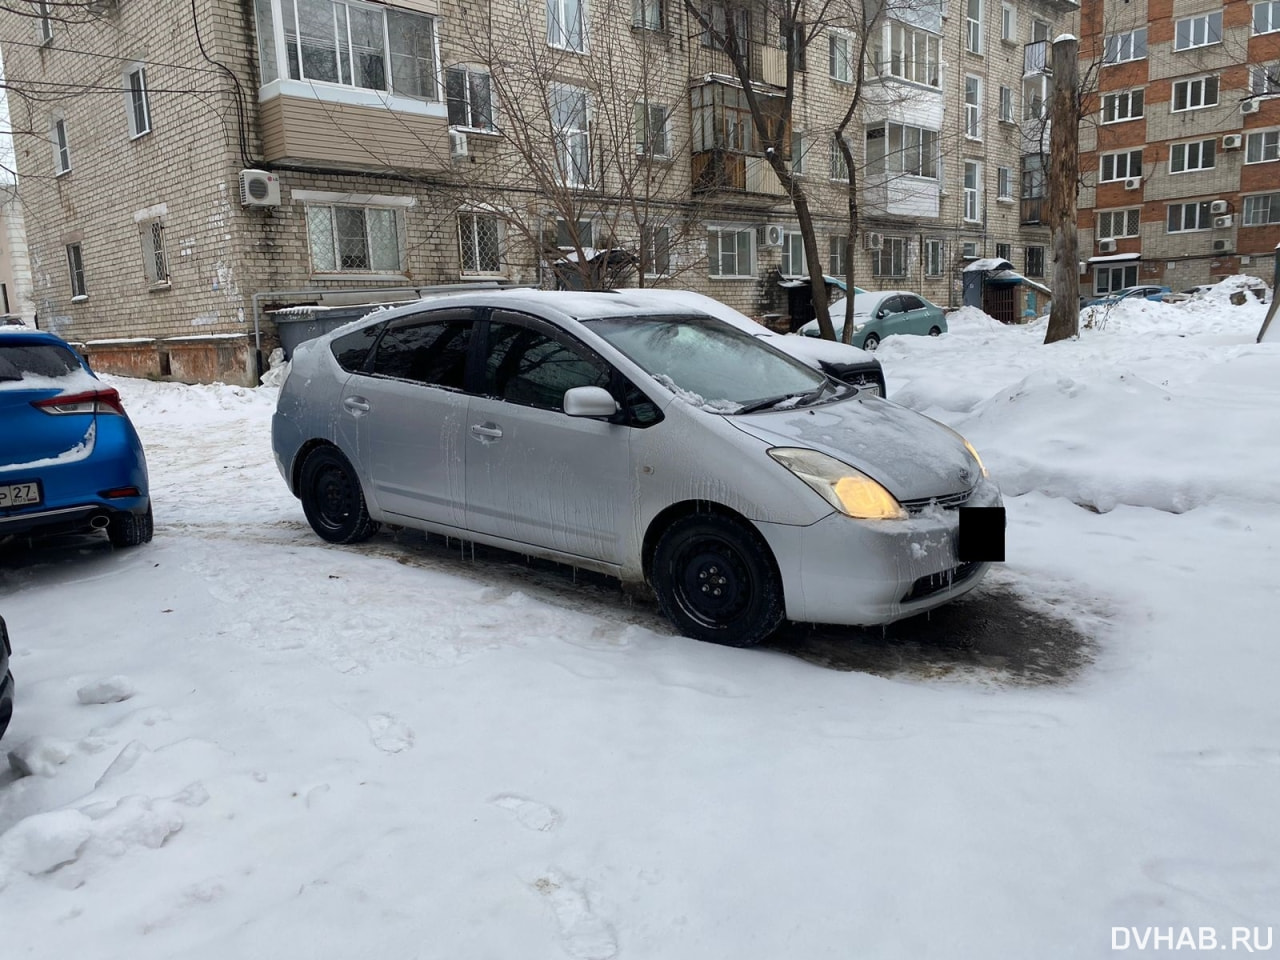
866, 572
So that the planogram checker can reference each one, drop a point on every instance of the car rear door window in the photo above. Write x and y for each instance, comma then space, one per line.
21, 360
352, 350
430, 349
912, 303
527, 366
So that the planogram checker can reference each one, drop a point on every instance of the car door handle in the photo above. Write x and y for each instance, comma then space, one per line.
488, 430
357, 405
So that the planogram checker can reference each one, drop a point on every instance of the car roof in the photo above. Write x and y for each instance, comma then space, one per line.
15, 334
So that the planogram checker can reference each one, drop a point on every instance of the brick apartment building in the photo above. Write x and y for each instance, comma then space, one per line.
1181, 148
183, 177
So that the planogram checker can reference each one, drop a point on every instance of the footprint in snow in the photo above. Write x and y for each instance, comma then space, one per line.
584, 935
389, 734
530, 813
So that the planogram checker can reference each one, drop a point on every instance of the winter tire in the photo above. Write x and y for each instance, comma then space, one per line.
130, 529
332, 498
935, 331
871, 342
716, 581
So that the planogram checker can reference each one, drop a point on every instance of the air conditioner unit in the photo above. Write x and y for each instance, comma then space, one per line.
1106, 246
873, 241
1232, 141
259, 189
1219, 206
1221, 223
1133, 183
457, 144
1251, 105
1221, 246
774, 234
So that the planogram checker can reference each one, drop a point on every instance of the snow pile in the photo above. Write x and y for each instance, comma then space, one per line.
111, 690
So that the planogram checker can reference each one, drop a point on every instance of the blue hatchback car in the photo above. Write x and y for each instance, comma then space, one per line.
70, 459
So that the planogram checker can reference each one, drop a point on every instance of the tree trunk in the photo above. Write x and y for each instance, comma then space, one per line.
1064, 172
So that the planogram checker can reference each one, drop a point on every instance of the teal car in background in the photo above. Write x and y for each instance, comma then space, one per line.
881, 314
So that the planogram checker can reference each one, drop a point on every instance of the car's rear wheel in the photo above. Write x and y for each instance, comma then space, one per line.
935, 331
871, 342
332, 498
131, 529
715, 580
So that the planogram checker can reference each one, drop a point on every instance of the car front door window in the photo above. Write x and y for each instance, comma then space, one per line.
526, 366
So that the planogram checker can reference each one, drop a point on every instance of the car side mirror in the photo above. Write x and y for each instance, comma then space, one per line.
589, 402
881, 313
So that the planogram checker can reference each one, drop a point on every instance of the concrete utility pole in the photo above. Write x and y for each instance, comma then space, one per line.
1064, 174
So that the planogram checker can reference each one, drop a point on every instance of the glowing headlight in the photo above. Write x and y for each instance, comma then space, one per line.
850, 491
981, 466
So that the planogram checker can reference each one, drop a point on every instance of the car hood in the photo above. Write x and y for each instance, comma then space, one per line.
913, 456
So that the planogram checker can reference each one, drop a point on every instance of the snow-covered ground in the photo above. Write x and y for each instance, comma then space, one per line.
243, 742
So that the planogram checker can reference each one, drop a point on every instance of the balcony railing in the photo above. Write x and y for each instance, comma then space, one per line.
766, 63
1034, 209
1035, 58
724, 170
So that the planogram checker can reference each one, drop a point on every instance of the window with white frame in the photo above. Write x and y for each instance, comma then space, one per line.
1188, 217
75, 267
1123, 47
914, 54
933, 254
837, 264
648, 14
891, 259
972, 190
731, 252
840, 55
353, 44
567, 25
1006, 105
1119, 166
896, 148
973, 107
1262, 146
61, 149
655, 243
354, 239
1261, 209
1197, 155
1033, 261
1113, 224
479, 244
1035, 97
793, 260
44, 21
137, 104
798, 150
1121, 106
652, 129
973, 26
839, 168
1111, 279
469, 92
1199, 31
1008, 22
1004, 183
1039, 30
969, 250
155, 262
1195, 93
1266, 16
570, 113
1264, 79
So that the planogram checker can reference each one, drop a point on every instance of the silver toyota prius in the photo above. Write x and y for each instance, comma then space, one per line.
667, 447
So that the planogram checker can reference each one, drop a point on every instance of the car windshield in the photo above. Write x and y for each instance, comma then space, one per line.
20, 360
714, 365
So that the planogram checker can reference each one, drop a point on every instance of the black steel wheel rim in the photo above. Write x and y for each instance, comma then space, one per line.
335, 496
712, 583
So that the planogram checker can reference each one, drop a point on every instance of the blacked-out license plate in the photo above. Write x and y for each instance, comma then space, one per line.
981, 535
19, 494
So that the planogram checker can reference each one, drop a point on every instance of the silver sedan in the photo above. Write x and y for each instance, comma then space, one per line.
660, 446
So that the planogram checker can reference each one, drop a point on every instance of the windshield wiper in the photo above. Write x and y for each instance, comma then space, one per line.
767, 402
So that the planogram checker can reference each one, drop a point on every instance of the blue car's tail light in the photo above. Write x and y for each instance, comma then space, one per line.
116, 493
105, 401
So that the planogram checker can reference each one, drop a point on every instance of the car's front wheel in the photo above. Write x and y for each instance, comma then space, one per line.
130, 529
332, 498
715, 580
935, 331
871, 342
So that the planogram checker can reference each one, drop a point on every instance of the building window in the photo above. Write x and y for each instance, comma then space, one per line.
969, 250
469, 93
570, 109
1262, 147
793, 41
1111, 279
933, 258
139, 109
648, 14
75, 266
972, 190
567, 25
1004, 184
840, 59
1126, 105
1033, 260
1006, 105
1264, 79
837, 263
656, 244
1123, 47
973, 108
1039, 31
731, 253
1119, 166
891, 259
652, 121
839, 167
1113, 224
1185, 157
573, 234
480, 244
973, 26
793, 262
720, 20
1185, 217
155, 263
1035, 97
349, 239
1008, 23
798, 150
1266, 17
1194, 94
1262, 209
358, 45
1198, 31
44, 21
61, 151
913, 55
896, 148
1034, 183
1004, 251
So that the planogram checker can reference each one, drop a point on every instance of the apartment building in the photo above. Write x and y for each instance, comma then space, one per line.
184, 176
15, 269
1181, 146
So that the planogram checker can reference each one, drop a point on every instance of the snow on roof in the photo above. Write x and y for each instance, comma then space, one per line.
1017, 277
208, 336
1065, 36
988, 263
1113, 257
119, 341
